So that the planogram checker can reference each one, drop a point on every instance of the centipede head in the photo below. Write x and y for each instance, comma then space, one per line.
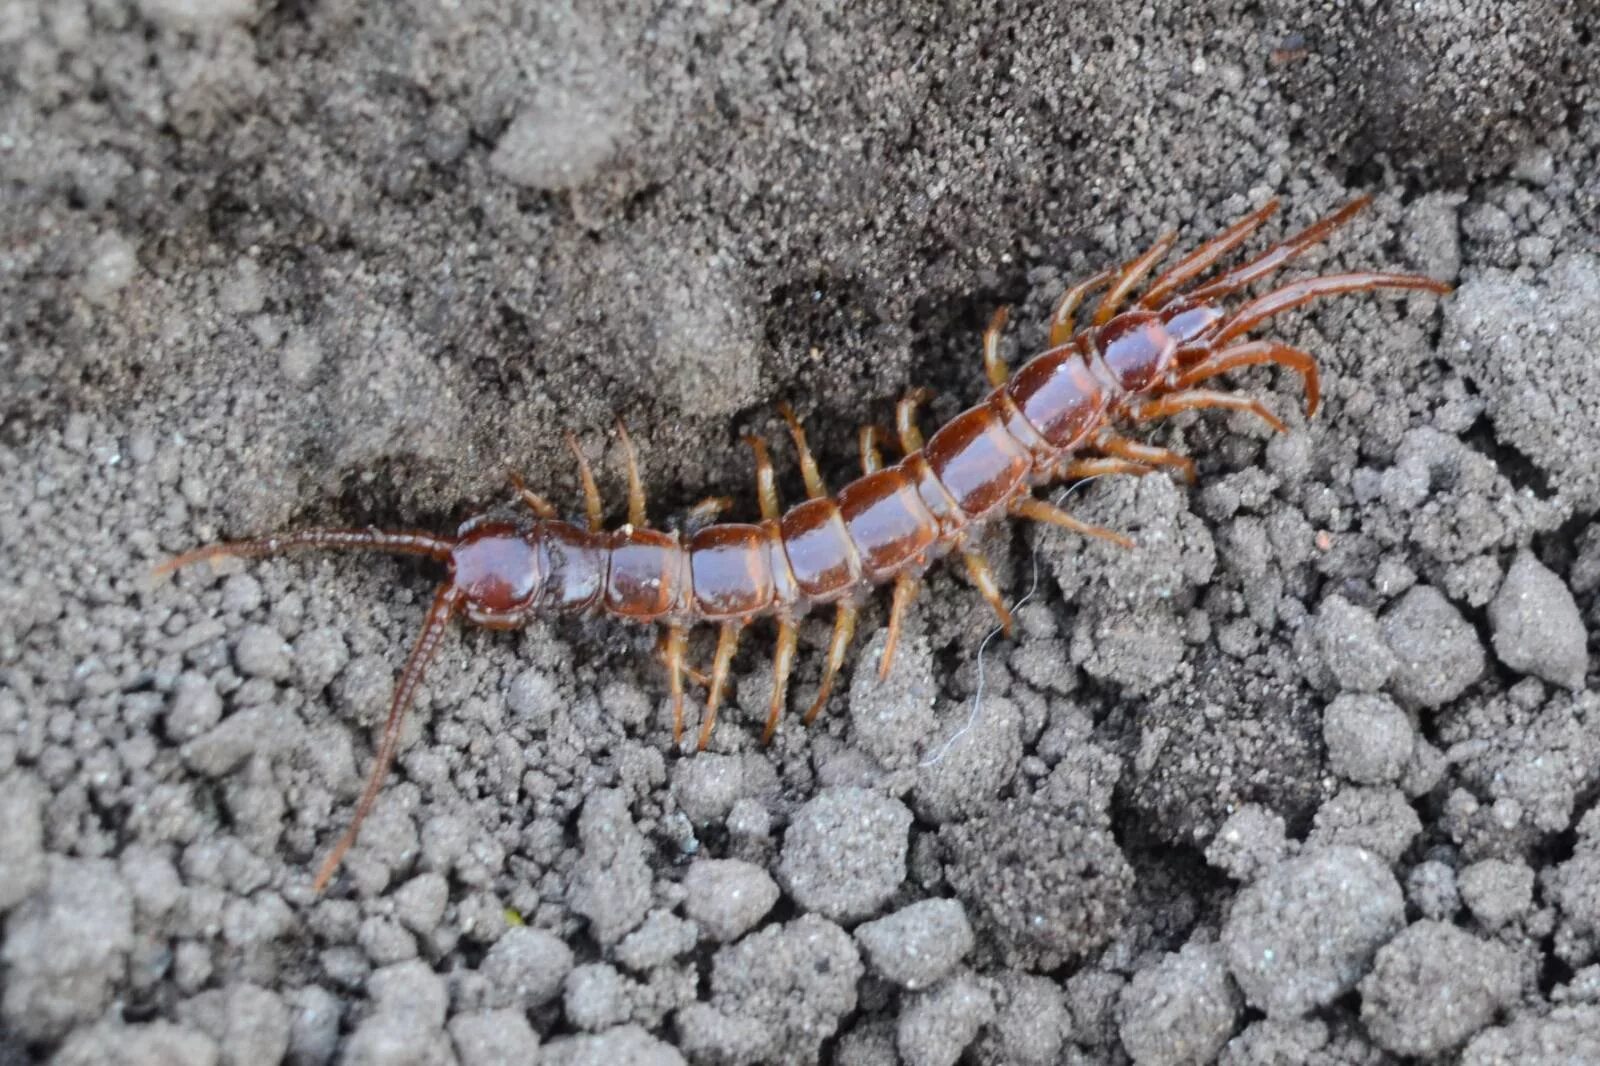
1137, 348
499, 570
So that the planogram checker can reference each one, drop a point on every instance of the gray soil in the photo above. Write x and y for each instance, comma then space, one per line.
1308, 775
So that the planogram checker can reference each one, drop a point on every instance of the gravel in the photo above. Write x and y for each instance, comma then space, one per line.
844, 854
1182, 1009
1434, 986
1304, 933
270, 266
1536, 626
918, 944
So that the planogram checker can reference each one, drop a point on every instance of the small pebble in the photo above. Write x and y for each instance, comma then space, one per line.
727, 897
1536, 626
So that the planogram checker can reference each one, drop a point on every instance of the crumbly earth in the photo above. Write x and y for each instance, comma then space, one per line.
1316, 755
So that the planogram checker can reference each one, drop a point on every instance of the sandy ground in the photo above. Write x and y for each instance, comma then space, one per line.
1307, 776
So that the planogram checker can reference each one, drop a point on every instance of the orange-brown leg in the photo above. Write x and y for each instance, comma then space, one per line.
782, 662
591, 492
766, 487
1201, 259
905, 419
905, 590
1041, 511
1276, 256
1131, 275
815, 487
1296, 293
844, 628
672, 652
1123, 448
1061, 322
1253, 354
994, 367
1198, 399
1076, 469
636, 511
983, 577
445, 603
869, 439
727, 644
705, 512
535, 502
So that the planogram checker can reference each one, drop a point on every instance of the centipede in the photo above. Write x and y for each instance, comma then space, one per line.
1064, 415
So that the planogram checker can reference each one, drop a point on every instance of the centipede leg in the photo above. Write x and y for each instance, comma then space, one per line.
1198, 399
994, 367
1276, 256
815, 487
534, 502
1130, 277
1061, 321
636, 508
905, 590
1296, 293
871, 457
766, 487
782, 662
445, 603
844, 628
1079, 469
591, 491
1041, 511
1253, 354
727, 644
1202, 258
905, 419
705, 512
1123, 448
983, 577
672, 651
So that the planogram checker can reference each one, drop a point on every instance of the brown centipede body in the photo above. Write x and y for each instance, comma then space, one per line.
1058, 417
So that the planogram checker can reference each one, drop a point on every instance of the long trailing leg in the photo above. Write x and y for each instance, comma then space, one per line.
1038, 510
1197, 399
844, 628
1255, 353
1111, 300
406, 542
591, 491
994, 366
445, 603
727, 644
1202, 258
1296, 293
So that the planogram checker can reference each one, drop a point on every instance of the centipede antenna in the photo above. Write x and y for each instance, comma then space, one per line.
1304, 291
404, 542
445, 602
1276, 256
1201, 259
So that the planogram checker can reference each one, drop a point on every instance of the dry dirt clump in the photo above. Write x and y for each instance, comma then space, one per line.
1326, 736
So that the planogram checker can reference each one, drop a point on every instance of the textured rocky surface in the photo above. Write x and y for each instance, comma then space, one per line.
338, 263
